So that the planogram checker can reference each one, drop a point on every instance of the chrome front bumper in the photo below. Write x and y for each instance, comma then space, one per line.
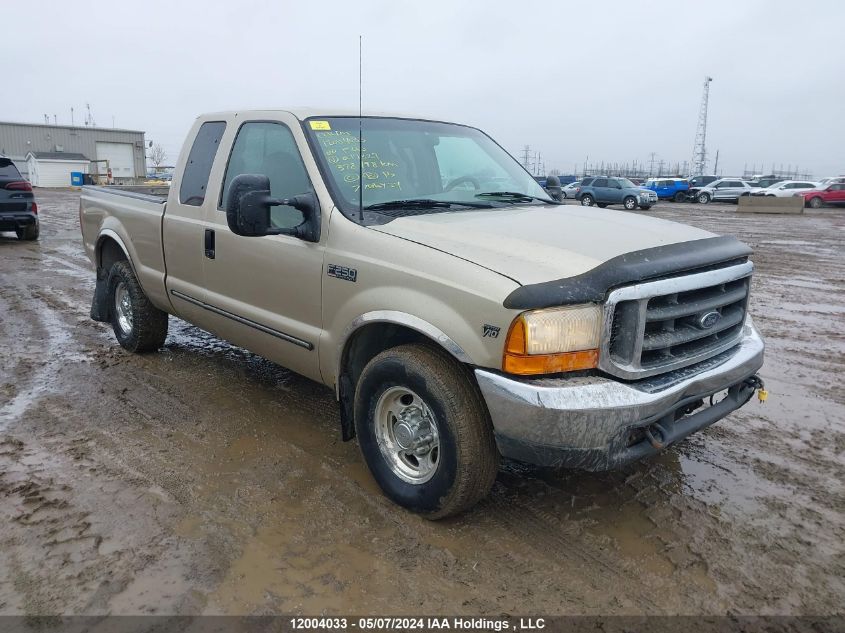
594, 422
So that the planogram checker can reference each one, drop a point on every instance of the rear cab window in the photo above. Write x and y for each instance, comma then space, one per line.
195, 175
8, 170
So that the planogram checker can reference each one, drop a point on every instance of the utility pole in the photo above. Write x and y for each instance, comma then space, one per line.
525, 153
651, 163
71, 117
716, 166
699, 149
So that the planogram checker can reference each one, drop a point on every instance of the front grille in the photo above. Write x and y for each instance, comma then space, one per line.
675, 322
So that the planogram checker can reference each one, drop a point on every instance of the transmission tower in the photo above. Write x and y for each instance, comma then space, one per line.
699, 150
525, 152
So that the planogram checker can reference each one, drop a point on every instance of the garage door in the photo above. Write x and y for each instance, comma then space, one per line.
121, 159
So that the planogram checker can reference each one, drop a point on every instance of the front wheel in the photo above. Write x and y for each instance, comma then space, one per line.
563, 195
138, 325
815, 203
28, 233
704, 198
424, 431
630, 203
587, 200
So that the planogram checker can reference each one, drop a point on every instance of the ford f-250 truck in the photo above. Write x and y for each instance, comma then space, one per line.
458, 312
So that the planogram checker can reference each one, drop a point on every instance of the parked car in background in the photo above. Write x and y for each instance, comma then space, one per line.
571, 190
765, 181
786, 188
668, 188
18, 209
603, 191
830, 180
701, 181
722, 190
833, 194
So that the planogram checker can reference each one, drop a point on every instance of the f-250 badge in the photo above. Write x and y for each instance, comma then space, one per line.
490, 331
342, 272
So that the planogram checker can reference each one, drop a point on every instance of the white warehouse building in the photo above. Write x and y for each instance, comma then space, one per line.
47, 154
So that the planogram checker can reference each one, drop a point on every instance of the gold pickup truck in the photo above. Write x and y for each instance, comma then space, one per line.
459, 312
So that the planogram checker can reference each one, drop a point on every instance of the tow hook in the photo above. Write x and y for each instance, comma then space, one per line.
757, 382
657, 444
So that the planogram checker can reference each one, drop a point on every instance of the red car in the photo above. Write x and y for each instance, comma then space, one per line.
833, 193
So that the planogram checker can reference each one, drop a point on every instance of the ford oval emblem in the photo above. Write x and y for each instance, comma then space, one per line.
708, 320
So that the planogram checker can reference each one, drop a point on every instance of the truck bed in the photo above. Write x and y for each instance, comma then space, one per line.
132, 219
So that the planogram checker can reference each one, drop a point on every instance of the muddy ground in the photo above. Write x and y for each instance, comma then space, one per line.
203, 479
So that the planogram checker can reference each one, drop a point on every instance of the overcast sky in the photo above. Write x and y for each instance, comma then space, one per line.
614, 81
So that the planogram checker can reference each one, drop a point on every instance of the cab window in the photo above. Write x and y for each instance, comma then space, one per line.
195, 176
269, 149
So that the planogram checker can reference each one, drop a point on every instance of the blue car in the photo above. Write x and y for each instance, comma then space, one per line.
668, 188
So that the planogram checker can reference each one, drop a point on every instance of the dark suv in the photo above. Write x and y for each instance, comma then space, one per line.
18, 211
602, 191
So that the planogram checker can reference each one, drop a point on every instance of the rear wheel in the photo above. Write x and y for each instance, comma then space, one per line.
815, 203
138, 325
645, 207
587, 200
424, 431
630, 203
680, 196
28, 233
704, 198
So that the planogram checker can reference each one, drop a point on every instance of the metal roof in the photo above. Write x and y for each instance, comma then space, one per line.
74, 156
96, 128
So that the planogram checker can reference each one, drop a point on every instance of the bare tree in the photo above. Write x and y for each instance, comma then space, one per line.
157, 156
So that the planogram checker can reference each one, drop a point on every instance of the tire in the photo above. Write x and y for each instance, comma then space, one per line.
630, 203
587, 200
645, 207
601, 205
679, 196
816, 203
563, 195
704, 198
138, 325
431, 389
28, 233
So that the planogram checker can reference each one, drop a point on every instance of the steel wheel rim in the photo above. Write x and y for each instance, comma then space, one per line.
587, 201
407, 436
123, 307
630, 204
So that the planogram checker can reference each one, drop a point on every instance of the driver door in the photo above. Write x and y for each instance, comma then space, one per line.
614, 191
265, 292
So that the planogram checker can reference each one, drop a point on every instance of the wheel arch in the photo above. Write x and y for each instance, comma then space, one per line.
109, 248
370, 334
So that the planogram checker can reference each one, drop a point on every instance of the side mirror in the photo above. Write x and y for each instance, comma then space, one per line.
248, 209
554, 188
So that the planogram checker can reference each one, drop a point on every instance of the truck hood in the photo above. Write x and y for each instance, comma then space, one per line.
533, 244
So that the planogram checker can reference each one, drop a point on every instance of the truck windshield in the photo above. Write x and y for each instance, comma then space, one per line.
407, 159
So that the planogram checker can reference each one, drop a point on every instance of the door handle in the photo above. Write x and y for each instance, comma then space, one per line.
209, 243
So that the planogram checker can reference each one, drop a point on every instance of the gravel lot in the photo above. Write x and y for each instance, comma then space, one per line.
203, 479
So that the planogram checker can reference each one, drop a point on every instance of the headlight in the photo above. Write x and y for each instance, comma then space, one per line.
553, 340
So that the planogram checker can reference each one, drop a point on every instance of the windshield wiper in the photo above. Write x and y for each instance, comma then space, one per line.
425, 203
514, 196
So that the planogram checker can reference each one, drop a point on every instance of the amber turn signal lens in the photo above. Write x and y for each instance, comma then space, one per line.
517, 361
